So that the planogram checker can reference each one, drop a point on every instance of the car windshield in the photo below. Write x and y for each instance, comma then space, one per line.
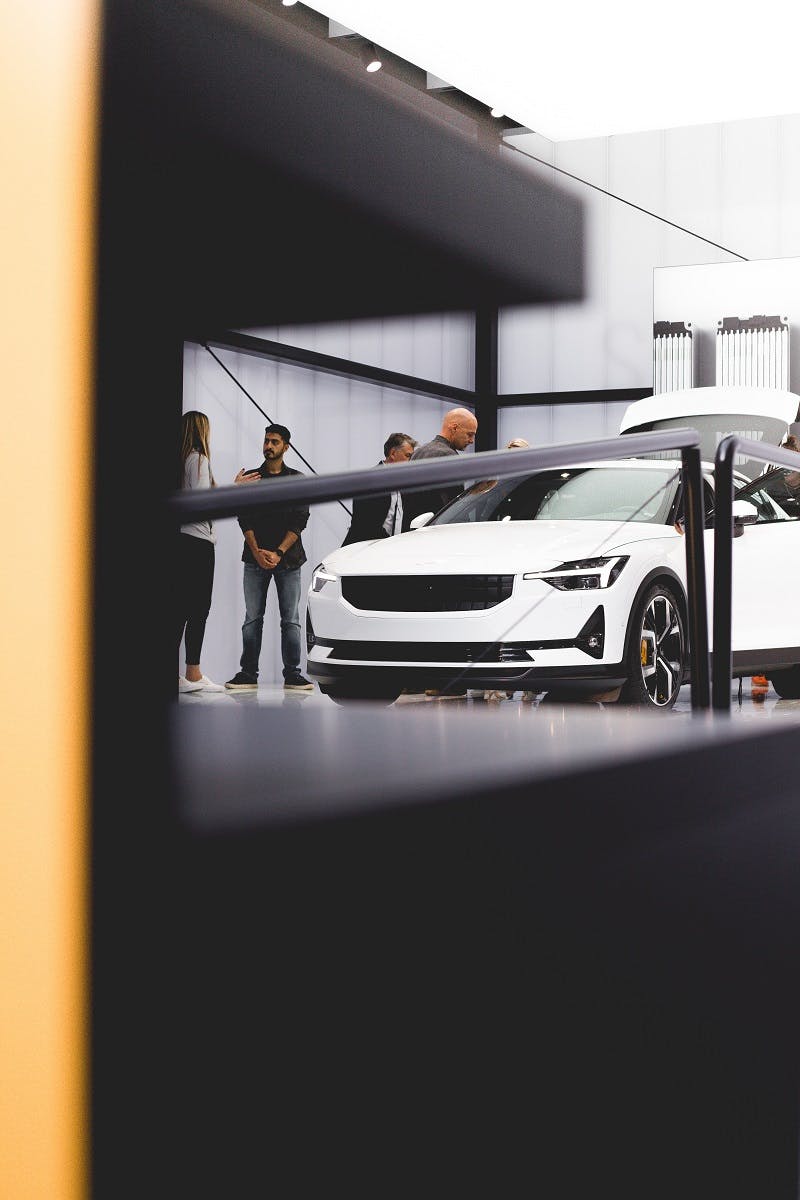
775, 496
569, 494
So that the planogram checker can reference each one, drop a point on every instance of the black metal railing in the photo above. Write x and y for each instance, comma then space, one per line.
210, 504
724, 461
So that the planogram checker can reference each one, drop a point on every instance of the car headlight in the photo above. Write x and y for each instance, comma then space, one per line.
584, 574
321, 576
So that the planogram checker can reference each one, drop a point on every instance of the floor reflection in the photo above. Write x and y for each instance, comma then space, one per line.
754, 701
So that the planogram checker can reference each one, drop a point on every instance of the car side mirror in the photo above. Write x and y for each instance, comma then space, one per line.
743, 514
420, 520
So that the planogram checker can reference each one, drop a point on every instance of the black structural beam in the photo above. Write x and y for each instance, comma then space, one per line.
294, 190
588, 396
328, 364
486, 377
696, 578
245, 179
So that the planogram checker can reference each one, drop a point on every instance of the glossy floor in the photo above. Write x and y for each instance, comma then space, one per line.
754, 702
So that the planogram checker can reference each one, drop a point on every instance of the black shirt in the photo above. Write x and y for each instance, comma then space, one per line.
271, 523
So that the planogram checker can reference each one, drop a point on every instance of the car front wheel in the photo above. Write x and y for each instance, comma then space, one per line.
656, 651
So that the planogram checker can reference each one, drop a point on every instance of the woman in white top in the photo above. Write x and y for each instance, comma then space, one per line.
195, 554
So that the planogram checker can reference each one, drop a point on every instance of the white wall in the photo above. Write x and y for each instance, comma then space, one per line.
546, 424
335, 424
703, 295
737, 184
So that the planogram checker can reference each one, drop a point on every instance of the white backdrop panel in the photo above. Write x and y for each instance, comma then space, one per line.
545, 424
435, 346
737, 184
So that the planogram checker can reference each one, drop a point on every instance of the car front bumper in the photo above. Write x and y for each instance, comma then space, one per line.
365, 678
537, 639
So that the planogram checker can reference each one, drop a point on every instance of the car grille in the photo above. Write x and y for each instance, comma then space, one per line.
443, 652
426, 593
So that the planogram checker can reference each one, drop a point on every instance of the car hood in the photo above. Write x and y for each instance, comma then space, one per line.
493, 548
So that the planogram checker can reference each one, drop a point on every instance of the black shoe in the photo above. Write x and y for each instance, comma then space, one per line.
297, 684
242, 682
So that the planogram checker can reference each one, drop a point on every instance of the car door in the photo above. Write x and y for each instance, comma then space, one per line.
766, 565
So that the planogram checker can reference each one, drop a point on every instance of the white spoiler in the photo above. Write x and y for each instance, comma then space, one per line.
710, 401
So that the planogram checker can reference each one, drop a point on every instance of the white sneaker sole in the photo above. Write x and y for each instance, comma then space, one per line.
189, 686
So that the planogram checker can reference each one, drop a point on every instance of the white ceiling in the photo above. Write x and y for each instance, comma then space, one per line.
588, 69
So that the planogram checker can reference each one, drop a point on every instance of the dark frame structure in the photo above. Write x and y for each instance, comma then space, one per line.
247, 178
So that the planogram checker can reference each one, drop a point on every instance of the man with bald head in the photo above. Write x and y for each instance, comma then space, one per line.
458, 431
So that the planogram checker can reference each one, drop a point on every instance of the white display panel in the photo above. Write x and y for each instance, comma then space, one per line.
702, 295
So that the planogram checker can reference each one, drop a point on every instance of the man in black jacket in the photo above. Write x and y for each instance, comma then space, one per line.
273, 547
381, 516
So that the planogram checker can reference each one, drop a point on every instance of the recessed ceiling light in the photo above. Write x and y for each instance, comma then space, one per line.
371, 57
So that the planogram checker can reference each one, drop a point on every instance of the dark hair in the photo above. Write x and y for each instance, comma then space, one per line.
281, 430
397, 439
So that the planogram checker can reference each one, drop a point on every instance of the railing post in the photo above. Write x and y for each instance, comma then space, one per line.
696, 579
723, 574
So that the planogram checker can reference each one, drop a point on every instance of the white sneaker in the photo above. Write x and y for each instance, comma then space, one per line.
188, 685
210, 686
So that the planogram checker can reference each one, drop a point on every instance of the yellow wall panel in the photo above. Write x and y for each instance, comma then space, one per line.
48, 101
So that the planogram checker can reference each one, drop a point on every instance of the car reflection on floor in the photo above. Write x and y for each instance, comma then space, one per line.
755, 701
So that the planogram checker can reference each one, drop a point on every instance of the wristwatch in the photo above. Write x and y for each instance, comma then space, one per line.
279, 552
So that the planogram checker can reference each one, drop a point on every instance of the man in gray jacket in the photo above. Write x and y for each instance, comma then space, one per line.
458, 431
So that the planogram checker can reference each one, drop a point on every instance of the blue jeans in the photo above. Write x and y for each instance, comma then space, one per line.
256, 585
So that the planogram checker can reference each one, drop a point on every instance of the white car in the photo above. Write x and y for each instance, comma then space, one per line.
568, 580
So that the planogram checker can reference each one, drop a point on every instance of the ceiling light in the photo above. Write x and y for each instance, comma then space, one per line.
497, 112
289, 3
371, 58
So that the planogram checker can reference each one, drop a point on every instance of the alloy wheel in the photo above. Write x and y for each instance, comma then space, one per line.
661, 650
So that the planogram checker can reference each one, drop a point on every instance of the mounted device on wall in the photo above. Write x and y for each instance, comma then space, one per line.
673, 356
747, 350
753, 351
